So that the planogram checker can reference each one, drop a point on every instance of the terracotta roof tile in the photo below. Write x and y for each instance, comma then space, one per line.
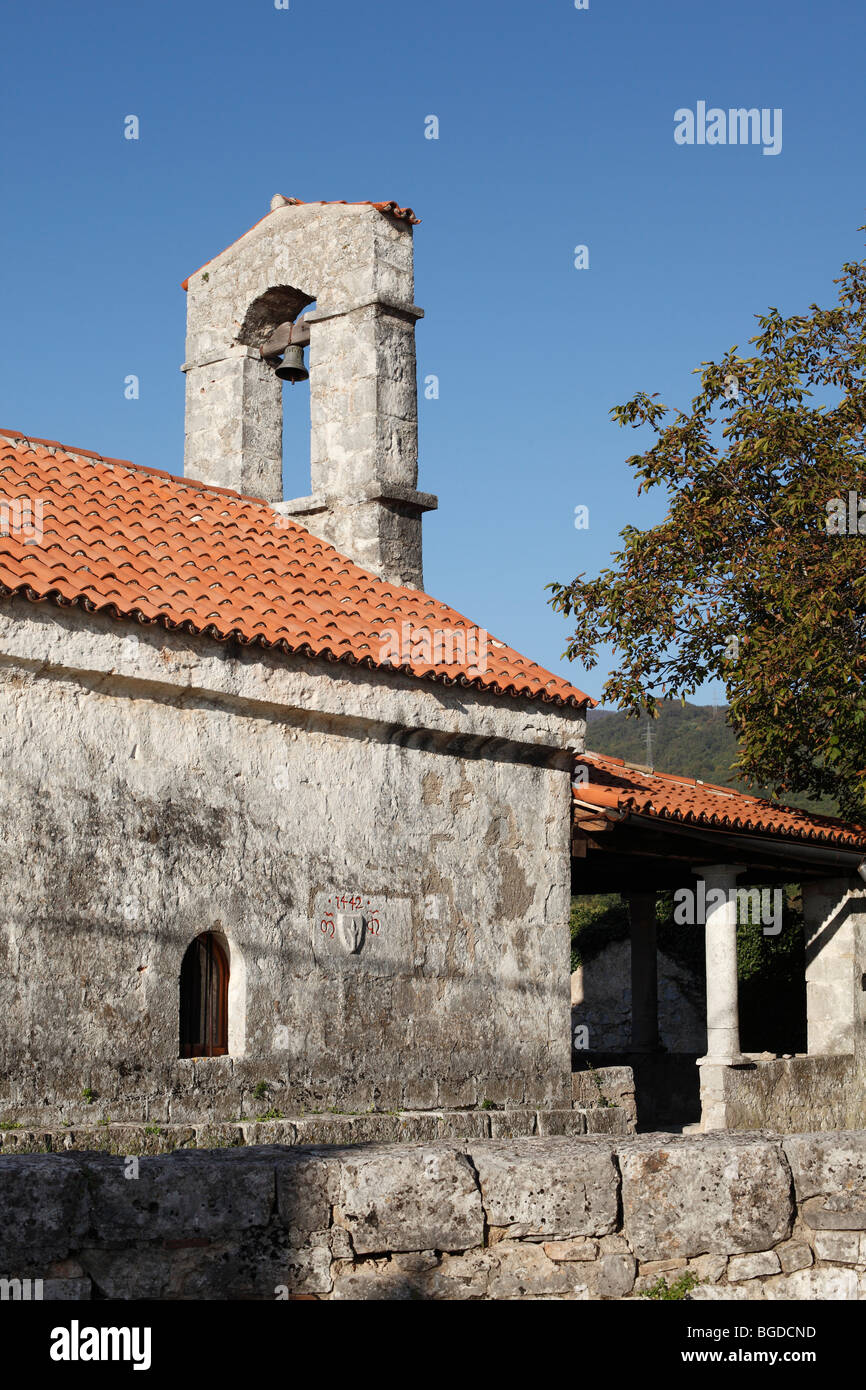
141, 544
616, 785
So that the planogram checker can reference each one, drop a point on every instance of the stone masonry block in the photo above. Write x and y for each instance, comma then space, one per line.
308, 1186
512, 1124
186, 1194
831, 1163
753, 1266
553, 1188
560, 1122
842, 1212
816, 1283
841, 1247
608, 1119
523, 1271
794, 1255
420, 1197
44, 1210
615, 1276
706, 1195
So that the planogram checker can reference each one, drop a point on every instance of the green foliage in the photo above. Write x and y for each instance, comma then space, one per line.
597, 919
745, 580
692, 740
271, 1115
88, 1095
603, 1102
260, 1090
679, 1289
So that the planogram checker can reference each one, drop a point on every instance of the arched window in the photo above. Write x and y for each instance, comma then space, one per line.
204, 996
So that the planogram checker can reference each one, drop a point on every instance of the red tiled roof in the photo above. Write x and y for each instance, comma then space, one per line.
141, 544
391, 208
614, 785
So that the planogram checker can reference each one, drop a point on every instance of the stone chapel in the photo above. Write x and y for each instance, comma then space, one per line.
281, 824
274, 814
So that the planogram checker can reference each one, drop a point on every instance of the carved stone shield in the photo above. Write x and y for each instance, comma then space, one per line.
351, 931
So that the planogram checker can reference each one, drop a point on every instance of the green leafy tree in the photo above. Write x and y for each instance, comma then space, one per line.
757, 574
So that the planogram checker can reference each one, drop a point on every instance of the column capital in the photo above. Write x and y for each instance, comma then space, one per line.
720, 874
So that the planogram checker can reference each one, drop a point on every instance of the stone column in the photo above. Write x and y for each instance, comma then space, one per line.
364, 446
234, 423
644, 972
723, 1020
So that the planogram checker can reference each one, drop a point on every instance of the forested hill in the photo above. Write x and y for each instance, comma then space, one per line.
693, 739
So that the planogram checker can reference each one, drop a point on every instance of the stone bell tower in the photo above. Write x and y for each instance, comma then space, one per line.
355, 263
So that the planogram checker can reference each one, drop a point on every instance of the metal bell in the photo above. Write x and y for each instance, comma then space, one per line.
292, 366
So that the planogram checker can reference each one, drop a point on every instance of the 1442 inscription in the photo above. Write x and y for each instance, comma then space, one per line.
348, 920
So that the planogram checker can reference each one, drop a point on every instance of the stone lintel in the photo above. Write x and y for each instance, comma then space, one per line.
221, 355
407, 311
395, 492
740, 1060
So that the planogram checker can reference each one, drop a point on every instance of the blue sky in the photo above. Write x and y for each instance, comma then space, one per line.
556, 129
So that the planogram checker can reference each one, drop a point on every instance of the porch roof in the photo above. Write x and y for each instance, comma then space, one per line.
633, 823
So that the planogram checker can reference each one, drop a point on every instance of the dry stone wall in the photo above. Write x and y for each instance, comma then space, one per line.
746, 1216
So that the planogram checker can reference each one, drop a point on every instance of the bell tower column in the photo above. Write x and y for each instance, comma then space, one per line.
355, 261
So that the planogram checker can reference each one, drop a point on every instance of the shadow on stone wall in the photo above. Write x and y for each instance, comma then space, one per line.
667, 1084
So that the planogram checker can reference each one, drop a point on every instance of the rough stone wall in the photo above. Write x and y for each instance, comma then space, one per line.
788, 1093
157, 786
747, 1216
606, 1088
835, 923
601, 1002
